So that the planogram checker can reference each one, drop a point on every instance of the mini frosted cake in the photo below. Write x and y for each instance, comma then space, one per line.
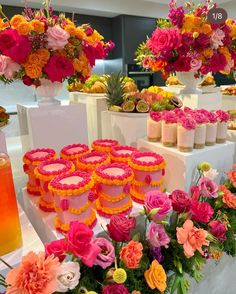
73, 199
104, 145
122, 153
149, 169
113, 183
31, 160
45, 172
73, 152
90, 161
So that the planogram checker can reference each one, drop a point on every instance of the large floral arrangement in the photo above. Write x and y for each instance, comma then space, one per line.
41, 44
155, 252
187, 41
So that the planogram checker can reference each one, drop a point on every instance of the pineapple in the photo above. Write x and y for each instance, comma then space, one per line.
115, 88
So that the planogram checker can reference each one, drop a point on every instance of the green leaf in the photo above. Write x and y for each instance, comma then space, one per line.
175, 284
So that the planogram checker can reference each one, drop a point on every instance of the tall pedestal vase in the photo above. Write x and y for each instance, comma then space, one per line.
48, 91
188, 79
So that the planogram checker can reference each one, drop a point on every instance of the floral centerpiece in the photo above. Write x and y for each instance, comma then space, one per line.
178, 234
188, 43
43, 49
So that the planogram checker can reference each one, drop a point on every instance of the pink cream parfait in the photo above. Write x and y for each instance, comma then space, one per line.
112, 185
45, 172
73, 152
149, 169
90, 161
73, 199
211, 129
154, 126
222, 126
31, 160
185, 134
122, 153
169, 128
104, 145
200, 131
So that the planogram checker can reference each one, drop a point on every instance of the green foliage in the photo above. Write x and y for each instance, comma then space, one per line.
229, 246
115, 88
141, 52
163, 23
5, 80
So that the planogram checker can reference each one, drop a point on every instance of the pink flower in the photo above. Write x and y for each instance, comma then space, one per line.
212, 117
217, 62
195, 64
188, 123
182, 63
115, 289
199, 117
218, 230
107, 255
222, 115
164, 39
157, 236
93, 52
201, 212
169, 117
57, 37
120, 227
157, 199
208, 188
57, 248
36, 274
181, 202
80, 243
217, 38
202, 42
147, 59
58, 68
8, 67
155, 115
176, 16
195, 192
27, 80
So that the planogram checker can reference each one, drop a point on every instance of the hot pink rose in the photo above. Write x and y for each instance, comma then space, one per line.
195, 192
169, 117
157, 236
199, 117
188, 123
217, 38
57, 248
57, 37
155, 115
218, 230
8, 67
107, 255
115, 289
201, 212
208, 188
222, 115
182, 63
120, 227
58, 68
195, 64
181, 202
157, 199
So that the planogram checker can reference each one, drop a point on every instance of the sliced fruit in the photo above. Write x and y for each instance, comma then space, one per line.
142, 106
176, 102
128, 106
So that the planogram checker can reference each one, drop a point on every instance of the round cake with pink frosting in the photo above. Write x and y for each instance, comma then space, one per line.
73, 152
73, 199
104, 145
31, 160
112, 186
122, 153
45, 172
90, 161
149, 169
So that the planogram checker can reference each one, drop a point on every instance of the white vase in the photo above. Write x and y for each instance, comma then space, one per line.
48, 91
187, 78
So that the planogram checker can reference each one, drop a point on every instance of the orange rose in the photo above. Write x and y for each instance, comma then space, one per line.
131, 254
16, 20
33, 58
33, 71
44, 55
191, 23
228, 198
157, 65
135, 292
37, 26
24, 28
232, 177
155, 276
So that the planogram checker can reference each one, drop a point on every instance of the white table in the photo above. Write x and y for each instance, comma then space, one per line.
181, 166
31, 242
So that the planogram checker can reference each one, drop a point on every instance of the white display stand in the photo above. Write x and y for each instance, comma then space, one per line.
43, 222
95, 104
181, 167
53, 126
125, 127
228, 102
231, 136
209, 101
31, 242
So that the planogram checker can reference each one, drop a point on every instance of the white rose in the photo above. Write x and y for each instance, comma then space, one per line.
68, 277
211, 174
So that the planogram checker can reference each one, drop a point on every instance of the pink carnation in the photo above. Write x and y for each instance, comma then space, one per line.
169, 117
155, 115
217, 38
222, 115
218, 230
201, 212
182, 63
188, 123
157, 236
181, 201
57, 37
202, 42
8, 67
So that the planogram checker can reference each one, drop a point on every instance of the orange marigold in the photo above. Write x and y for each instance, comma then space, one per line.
37, 26
16, 20
155, 276
33, 71
131, 254
24, 28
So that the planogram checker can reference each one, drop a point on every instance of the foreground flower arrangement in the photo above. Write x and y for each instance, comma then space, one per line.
39, 45
155, 252
187, 41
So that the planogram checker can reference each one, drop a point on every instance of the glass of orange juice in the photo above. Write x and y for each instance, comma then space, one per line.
10, 231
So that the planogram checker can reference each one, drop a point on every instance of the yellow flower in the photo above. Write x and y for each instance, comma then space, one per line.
205, 166
135, 292
24, 28
191, 23
216, 254
155, 276
119, 276
37, 26
195, 35
16, 20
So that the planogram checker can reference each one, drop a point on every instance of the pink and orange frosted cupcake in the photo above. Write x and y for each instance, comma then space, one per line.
73, 152
90, 161
104, 145
122, 153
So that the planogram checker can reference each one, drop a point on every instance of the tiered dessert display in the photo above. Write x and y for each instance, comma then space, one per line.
73, 199
104, 145
90, 161
45, 172
113, 183
149, 169
73, 152
122, 153
31, 160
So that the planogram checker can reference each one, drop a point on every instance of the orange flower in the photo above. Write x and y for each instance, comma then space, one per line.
44, 55
232, 177
208, 52
155, 276
80, 34
232, 25
225, 52
69, 22
157, 65
3, 25
16, 20
24, 28
228, 198
205, 29
33, 71
192, 238
81, 65
71, 30
34, 58
37, 26
191, 23
135, 292
36, 274
95, 37
131, 254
